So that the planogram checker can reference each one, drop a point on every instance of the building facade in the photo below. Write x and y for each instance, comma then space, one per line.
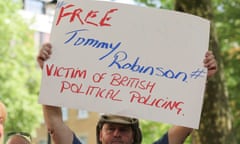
82, 122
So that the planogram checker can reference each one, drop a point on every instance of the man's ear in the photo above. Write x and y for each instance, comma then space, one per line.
100, 135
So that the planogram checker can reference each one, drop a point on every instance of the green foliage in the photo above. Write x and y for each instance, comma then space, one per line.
166, 4
152, 131
227, 22
228, 27
19, 77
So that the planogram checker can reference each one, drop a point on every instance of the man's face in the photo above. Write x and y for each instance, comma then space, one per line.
116, 134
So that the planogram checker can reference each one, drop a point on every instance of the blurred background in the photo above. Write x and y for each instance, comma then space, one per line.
26, 24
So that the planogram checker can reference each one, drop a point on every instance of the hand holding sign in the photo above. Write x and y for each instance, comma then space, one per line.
101, 59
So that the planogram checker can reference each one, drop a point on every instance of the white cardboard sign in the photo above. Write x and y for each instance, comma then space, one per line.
127, 60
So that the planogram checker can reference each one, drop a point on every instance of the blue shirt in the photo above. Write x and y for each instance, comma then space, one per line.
162, 140
76, 140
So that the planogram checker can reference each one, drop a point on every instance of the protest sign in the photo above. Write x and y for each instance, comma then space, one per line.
127, 60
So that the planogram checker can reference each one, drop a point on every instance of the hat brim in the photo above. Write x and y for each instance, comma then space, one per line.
118, 119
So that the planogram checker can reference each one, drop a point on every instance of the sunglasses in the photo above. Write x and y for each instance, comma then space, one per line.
25, 135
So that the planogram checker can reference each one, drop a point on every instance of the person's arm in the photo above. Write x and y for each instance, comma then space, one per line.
60, 133
178, 134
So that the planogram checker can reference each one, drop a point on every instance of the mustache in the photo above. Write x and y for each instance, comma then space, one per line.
117, 141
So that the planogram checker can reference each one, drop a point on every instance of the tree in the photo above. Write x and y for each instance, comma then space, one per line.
216, 122
216, 119
19, 77
228, 26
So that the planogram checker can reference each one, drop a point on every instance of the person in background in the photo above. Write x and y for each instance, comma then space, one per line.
112, 129
13, 138
18, 138
3, 116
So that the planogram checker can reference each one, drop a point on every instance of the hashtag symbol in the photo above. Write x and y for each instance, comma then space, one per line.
198, 73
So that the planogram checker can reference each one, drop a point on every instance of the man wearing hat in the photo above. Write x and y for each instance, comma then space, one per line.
111, 129
19, 138
13, 137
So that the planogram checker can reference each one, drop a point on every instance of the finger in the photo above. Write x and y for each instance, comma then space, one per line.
213, 66
209, 53
45, 51
47, 48
209, 59
209, 62
40, 61
45, 54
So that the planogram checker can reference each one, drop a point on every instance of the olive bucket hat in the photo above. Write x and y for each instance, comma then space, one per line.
109, 118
